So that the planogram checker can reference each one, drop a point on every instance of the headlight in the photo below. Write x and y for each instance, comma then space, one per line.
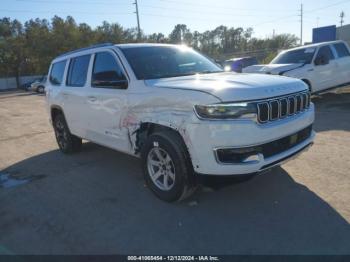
227, 111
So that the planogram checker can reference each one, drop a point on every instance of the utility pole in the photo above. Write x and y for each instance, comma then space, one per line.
342, 15
301, 24
138, 20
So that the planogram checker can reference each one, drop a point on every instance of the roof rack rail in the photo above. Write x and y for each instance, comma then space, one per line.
86, 48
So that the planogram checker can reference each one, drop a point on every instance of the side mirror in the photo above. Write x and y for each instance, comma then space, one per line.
321, 60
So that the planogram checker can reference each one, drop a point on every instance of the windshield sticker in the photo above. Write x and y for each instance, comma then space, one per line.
309, 50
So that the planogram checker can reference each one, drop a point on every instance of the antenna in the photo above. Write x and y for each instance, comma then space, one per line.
342, 15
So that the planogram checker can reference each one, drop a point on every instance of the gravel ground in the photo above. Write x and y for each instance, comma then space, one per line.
95, 202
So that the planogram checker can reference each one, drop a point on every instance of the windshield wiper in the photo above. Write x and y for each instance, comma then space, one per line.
171, 75
208, 72
182, 74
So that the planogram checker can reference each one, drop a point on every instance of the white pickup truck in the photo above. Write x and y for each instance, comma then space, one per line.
178, 111
321, 66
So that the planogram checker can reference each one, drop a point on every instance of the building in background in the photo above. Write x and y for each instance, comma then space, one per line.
324, 34
343, 33
331, 33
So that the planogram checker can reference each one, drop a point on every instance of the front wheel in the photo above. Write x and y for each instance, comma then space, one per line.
40, 89
167, 168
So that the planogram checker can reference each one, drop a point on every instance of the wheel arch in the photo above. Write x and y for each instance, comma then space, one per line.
308, 82
147, 128
54, 111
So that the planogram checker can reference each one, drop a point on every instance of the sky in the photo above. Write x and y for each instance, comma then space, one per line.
264, 16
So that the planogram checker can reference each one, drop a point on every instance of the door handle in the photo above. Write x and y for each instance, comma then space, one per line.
92, 98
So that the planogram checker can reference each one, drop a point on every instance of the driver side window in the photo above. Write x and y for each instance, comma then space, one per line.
107, 73
324, 54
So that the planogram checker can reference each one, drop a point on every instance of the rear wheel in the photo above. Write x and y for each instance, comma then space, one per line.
167, 168
67, 142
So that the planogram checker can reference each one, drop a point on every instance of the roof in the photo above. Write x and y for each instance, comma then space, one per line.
315, 45
122, 46
133, 45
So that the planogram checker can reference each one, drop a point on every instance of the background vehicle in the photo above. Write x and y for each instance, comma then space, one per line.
178, 111
26, 86
321, 66
237, 64
38, 85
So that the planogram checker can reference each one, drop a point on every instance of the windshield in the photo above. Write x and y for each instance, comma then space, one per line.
154, 62
302, 56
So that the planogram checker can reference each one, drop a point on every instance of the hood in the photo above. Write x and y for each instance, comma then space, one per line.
273, 69
230, 87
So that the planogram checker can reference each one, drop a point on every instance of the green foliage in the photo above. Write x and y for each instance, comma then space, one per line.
28, 49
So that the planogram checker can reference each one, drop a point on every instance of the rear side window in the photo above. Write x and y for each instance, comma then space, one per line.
57, 71
326, 52
341, 50
107, 72
78, 69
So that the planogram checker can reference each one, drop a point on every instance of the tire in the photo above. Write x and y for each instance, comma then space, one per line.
67, 142
172, 165
40, 89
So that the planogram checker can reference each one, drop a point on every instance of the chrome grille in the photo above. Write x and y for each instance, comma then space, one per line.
282, 107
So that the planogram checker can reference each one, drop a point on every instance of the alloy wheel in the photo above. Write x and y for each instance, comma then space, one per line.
161, 168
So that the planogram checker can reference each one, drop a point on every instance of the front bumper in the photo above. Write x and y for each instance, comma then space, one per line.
206, 137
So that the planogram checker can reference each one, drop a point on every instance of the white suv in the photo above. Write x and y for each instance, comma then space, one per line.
178, 111
321, 66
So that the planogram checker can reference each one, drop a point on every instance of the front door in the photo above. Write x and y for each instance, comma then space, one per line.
107, 103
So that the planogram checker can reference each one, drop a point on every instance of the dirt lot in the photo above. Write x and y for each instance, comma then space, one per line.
95, 202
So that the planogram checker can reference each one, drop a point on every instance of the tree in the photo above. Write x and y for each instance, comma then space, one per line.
12, 44
29, 49
156, 38
110, 33
180, 35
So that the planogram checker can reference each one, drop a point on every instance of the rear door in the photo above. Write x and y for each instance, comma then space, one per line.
343, 60
325, 73
55, 82
106, 102
74, 94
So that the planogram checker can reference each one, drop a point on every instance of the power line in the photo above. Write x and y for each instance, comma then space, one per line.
274, 20
327, 6
301, 24
203, 12
307, 11
147, 6
224, 20
74, 2
221, 6
61, 11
